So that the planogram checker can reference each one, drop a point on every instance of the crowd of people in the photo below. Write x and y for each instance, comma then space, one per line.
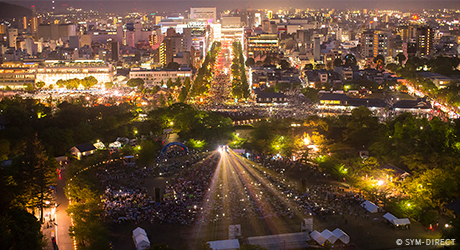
126, 199
245, 189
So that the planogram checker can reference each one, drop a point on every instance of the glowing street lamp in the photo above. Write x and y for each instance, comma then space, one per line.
306, 139
380, 183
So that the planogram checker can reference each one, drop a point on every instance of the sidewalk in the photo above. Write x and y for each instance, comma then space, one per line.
60, 230
48, 233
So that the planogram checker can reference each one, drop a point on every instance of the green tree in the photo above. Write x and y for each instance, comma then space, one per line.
379, 61
173, 66
88, 82
285, 64
20, 230
60, 83
108, 85
136, 83
400, 58
250, 62
37, 174
308, 66
338, 62
4, 149
162, 100
28, 87
40, 84
350, 60
169, 83
177, 83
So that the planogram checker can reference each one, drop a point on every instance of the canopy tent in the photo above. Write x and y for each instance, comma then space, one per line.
328, 235
341, 235
138, 231
317, 237
370, 207
141, 242
140, 239
390, 217
224, 244
401, 222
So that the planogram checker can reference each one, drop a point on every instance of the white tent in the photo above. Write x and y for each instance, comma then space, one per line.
390, 217
141, 242
224, 244
401, 222
317, 237
138, 231
369, 206
341, 235
328, 235
140, 239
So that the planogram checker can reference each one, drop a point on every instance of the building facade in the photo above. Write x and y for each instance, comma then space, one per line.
158, 77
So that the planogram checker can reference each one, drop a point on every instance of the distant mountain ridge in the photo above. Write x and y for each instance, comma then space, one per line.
9, 11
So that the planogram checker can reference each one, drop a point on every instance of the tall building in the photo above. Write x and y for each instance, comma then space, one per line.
374, 43
12, 36
55, 31
257, 19
34, 24
380, 43
317, 48
74, 42
24, 22
114, 49
367, 43
424, 38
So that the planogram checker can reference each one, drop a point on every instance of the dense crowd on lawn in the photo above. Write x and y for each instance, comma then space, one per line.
125, 200
241, 191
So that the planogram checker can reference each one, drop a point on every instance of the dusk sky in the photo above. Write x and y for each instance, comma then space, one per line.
181, 5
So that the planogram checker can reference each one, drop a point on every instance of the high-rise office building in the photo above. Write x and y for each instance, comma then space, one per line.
424, 38
367, 43
380, 43
114, 49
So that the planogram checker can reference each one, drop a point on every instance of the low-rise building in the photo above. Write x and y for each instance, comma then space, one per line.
16, 74
441, 81
267, 98
157, 77
84, 149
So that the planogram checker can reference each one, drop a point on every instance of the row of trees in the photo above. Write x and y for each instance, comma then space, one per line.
75, 83
203, 79
240, 86
84, 191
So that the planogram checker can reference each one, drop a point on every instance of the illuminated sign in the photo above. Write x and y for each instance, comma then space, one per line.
329, 102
